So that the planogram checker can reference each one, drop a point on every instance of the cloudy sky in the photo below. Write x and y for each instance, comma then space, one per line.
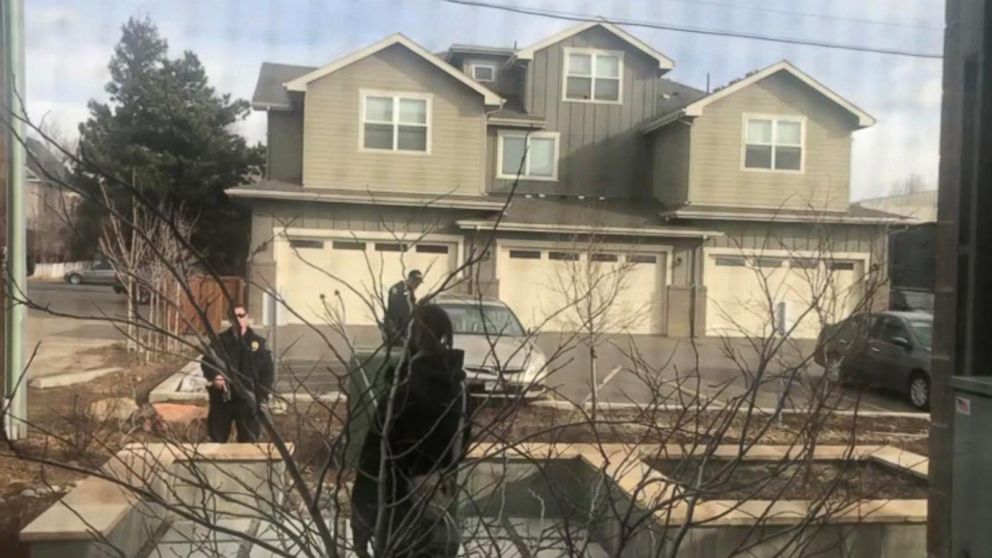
68, 45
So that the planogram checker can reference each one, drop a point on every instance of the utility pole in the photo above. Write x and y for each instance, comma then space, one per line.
15, 388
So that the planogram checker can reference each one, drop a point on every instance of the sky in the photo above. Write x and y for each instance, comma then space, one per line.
69, 43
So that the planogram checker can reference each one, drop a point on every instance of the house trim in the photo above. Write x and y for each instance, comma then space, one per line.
664, 62
516, 123
363, 197
773, 217
696, 108
300, 83
504, 226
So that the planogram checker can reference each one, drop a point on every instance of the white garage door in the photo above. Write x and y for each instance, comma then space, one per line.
345, 280
744, 292
554, 289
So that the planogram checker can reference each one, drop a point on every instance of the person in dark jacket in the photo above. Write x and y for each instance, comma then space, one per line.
401, 301
427, 435
239, 369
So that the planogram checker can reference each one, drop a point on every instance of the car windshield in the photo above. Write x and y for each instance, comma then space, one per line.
923, 329
918, 301
483, 319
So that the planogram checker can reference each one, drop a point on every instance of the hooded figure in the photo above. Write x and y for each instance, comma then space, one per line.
424, 434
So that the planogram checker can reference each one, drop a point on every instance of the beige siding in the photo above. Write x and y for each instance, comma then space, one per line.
331, 155
602, 150
717, 150
285, 145
670, 163
797, 236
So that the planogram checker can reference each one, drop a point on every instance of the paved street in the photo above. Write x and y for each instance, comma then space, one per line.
74, 318
640, 369
634, 369
665, 368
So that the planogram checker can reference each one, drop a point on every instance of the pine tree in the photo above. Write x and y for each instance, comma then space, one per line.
170, 134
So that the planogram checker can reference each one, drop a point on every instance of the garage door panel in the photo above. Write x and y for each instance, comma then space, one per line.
362, 270
560, 290
743, 292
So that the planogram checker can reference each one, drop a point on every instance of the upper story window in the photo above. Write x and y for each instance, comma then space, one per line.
534, 155
593, 75
774, 143
484, 73
395, 122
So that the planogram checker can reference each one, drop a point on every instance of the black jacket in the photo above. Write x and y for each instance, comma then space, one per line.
245, 361
399, 306
428, 411
429, 408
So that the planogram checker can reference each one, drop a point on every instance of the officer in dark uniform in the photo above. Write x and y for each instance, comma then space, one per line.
399, 306
239, 369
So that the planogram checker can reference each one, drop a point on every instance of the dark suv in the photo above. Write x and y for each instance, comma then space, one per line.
889, 350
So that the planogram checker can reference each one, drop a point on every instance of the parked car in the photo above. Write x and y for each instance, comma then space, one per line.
500, 357
911, 300
890, 350
142, 297
100, 274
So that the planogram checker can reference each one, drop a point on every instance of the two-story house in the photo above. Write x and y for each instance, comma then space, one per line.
393, 158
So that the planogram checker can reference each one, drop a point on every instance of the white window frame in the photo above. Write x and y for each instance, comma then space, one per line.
775, 118
396, 96
593, 52
475, 65
526, 171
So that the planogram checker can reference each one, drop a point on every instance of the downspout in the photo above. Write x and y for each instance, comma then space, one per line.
694, 285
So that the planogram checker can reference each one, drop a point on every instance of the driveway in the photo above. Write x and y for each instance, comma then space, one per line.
73, 321
630, 369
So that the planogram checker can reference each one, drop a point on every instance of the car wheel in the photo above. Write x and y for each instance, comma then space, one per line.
919, 391
75, 279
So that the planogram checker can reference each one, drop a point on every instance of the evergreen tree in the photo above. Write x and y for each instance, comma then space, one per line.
167, 131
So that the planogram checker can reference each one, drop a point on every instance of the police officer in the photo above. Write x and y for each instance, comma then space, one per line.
399, 306
239, 369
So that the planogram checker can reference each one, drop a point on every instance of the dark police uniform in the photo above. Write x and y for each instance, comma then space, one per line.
246, 363
399, 306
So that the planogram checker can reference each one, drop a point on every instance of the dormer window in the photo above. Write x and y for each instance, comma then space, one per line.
593, 76
484, 73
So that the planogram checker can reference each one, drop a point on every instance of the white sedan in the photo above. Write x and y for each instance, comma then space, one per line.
501, 359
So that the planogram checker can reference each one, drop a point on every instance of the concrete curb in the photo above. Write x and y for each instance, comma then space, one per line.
62, 380
568, 405
168, 390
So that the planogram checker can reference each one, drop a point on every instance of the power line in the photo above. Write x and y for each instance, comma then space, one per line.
807, 14
694, 30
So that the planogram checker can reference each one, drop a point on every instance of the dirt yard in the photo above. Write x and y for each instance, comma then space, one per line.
63, 431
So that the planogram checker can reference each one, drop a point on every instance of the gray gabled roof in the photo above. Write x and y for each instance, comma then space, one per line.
673, 95
269, 91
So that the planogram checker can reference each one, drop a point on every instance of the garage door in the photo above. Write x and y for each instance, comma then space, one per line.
561, 290
344, 280
744, 291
